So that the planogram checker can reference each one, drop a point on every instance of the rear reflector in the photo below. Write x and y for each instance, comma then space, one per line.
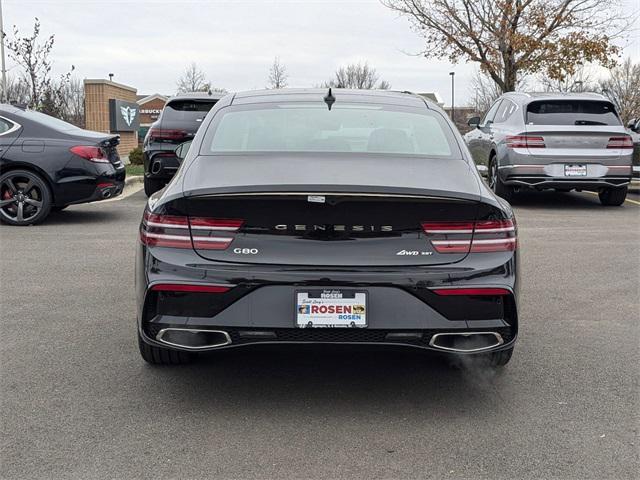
493, 292
524, 141
474, 237
625, 142
173, 287
183, 232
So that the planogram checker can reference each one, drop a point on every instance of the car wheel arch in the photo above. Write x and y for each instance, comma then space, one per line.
33, 169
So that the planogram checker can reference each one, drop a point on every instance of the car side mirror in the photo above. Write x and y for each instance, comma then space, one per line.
473, 122
633, 124
183, 149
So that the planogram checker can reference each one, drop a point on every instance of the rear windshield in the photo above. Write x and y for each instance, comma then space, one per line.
571, 112
358, 128
185, 110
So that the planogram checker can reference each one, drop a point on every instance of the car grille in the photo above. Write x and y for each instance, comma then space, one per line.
328, 335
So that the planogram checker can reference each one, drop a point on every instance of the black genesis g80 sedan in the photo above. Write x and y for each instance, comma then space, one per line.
47, 164
332, 217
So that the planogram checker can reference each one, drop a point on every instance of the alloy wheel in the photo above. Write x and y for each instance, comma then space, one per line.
493, 175
20, 198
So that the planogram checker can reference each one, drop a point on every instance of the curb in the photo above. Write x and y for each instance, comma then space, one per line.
133, 180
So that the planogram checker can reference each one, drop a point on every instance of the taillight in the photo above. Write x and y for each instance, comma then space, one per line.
93, 154
625, 142
472, 237
524, 141
181, 287
472, 292
187, 232
213, 233
165, 231
167, 134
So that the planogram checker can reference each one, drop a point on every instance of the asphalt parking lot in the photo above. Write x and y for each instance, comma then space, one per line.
77, 401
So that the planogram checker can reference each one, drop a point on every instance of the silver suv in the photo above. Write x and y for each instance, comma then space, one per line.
564, 141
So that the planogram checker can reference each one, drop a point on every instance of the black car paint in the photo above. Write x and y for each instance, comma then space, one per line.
253, 284
45, 151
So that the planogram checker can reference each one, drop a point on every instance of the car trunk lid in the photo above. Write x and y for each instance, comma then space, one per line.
369, 213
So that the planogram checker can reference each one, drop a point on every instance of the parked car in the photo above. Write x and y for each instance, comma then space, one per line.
634, 131
178, 122
564, 141
336, 217
47, 164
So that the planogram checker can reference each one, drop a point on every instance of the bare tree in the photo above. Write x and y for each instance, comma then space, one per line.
278, 74
32, 57
580, 81
484, 91
72, 98
193, 80
18, 91
357, 75
513, 38
623, 88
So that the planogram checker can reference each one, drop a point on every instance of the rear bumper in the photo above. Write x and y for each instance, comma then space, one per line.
108, 183
160, 165
402, 309
552, 176
567, 183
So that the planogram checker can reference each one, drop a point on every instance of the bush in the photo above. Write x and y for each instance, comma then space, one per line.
135, 156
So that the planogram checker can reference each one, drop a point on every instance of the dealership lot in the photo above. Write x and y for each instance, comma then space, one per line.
77, 400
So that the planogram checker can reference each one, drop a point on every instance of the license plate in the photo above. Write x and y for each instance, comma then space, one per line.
574, 170
331, 308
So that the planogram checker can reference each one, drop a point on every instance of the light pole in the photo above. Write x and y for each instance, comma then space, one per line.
4, 70
453, 108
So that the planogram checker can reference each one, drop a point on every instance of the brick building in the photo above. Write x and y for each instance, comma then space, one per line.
150, 108
106, 103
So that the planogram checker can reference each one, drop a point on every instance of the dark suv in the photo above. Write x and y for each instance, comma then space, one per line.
178, 122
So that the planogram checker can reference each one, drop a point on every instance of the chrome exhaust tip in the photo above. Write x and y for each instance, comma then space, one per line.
156, 167
106, 194
193, 339
466, 342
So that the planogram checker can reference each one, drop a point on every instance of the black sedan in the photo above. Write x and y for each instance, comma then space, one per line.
47, 164
331, 217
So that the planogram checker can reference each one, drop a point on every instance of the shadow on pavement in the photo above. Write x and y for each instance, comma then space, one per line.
553, 199
350, 380
71, 216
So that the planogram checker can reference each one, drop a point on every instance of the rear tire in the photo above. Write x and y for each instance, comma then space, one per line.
25, 198
163, 356
613, 197
496, 184
152, 185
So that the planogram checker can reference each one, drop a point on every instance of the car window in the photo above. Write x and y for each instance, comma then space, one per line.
572, 112
506, 109
48, 121
187, 110
5, 125
346, 128
488, 117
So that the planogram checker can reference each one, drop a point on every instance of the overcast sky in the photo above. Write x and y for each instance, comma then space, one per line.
148, 43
